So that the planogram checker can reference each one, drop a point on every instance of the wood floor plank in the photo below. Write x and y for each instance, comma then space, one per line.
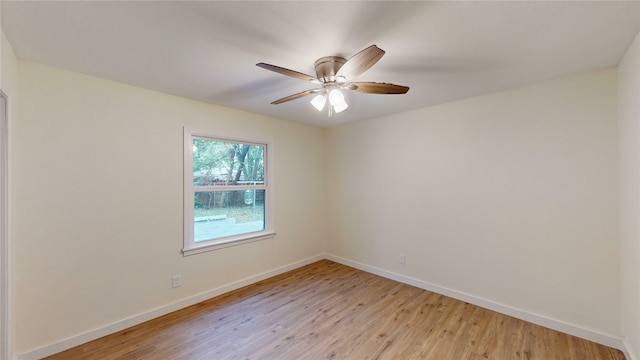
330, 311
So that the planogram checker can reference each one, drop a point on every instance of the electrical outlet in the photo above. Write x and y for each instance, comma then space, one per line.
176, 281
402, 259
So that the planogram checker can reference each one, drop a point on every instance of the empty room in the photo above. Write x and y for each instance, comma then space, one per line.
320, 180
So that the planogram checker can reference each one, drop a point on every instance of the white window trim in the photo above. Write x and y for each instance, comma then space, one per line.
190, 247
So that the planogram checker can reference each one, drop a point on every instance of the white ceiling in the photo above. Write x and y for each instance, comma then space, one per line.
208, 50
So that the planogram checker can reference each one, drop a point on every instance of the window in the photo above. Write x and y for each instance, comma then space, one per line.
227, 200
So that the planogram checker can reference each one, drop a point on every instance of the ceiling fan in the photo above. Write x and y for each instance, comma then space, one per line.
334, 73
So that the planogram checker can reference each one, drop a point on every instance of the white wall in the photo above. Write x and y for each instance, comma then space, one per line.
98, 215
629, 115
510, 197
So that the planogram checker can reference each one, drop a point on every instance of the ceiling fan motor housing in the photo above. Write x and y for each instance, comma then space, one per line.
327, 67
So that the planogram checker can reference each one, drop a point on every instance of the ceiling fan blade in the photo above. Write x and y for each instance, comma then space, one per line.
296, 96
288, 72
377, 88
360, 62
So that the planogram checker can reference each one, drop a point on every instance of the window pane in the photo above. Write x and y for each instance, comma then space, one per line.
220, 163
220, 214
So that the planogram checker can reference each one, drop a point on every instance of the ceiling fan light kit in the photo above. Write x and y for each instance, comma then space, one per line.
319, 101
336, 99
334, 73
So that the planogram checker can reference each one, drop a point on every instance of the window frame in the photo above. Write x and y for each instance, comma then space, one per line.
190, 246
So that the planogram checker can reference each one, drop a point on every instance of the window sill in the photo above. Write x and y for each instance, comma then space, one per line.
264, 235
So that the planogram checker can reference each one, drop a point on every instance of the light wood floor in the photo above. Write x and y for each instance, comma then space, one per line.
330, 311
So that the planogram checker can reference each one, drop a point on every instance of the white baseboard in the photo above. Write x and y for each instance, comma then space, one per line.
628, 352
157, 312
558, 325
561, 326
